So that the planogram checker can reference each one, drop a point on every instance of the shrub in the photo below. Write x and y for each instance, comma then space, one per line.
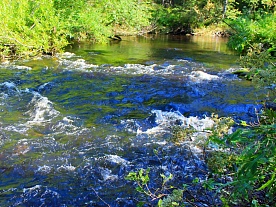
249, 35
33, 27
253, 172
30, 27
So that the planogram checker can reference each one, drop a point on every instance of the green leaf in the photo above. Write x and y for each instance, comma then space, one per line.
131, 176
196, 180
268, 183
160, 203
140, 204
139, 189
243, 123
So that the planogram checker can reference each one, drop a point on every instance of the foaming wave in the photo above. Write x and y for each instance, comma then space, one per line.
12, 66
153, 69
42, 110
160, 124
189, 70
79, 64
45, 169
37, 110
66, 167
166, 120
107, 174
69, 126
39, 192
9, 88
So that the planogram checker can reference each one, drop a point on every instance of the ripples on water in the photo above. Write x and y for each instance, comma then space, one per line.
71, 130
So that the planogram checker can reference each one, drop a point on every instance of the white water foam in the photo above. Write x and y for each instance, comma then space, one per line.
44, 169
42, 110
189, 70
43, 86
41, 192
199, 76
66, 168
166, 120
11, 65
78, 65
68, 126
34, 188
39, 111
11, 87
66, 55
107, 175
117, 159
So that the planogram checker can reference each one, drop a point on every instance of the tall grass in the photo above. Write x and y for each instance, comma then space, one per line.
32, 27
29, 28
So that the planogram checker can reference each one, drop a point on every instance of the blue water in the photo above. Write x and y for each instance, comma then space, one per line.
73, 126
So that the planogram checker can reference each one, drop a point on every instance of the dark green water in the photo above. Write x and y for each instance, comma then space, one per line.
73, 126
211, 51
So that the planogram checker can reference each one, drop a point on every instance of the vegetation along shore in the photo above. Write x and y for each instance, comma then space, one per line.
243, 171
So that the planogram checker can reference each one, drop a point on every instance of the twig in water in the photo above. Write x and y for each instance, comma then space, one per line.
100, 197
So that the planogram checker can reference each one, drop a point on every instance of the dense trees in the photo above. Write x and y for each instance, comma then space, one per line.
32, 27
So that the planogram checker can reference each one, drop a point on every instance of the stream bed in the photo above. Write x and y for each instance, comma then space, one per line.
73, 126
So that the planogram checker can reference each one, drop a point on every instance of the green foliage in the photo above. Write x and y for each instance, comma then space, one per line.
222, 125
254, 35
173, 199
184, 17
142, 179
133, 15
256, 40
250, 158
221, 163
177, 20
250, 150
255, 8
33, 27
262, 70
30, 27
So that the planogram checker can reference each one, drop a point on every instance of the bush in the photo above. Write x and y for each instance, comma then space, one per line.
182, 18
29, 28
249, 35
253, 171
256, 41
33, 27
253, 168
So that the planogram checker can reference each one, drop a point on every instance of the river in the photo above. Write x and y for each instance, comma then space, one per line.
73, 126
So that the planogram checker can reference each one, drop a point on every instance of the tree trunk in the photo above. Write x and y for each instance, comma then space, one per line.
225, 3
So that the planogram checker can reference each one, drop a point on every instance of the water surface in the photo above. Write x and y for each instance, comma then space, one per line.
73, 126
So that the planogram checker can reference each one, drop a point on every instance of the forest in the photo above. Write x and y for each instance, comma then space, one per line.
45, 27
31, 28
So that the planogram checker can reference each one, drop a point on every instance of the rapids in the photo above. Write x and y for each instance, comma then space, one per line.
73, 126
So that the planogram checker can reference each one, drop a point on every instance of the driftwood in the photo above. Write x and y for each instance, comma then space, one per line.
116, 37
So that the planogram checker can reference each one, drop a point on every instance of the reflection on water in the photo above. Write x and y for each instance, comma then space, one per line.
210, 50
73, 126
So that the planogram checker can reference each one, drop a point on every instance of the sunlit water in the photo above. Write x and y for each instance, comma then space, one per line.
73, 126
